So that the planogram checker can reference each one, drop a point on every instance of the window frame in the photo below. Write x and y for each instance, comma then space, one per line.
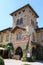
41, 37
1, 38
20, 21
19, 36
32, 22
7, 37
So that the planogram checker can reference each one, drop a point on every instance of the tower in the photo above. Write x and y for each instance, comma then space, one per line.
25, 16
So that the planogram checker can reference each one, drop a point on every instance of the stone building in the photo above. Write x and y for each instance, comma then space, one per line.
24, 30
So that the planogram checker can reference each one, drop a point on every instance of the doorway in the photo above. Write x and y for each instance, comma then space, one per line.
19, 52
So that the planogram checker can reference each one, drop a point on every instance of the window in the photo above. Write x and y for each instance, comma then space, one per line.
24, 10
15, 14
19, 21
1, 38
32, 22
19, 36
7, 38
42, 37
19, 12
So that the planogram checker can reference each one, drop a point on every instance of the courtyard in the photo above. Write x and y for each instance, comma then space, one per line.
18, 62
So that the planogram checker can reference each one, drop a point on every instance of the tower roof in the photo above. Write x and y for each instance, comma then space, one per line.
24, 7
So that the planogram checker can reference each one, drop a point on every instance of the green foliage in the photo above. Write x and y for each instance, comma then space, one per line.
39, 50
27, 46
3, 46
23, 59
0, 45
10, 49
1, 61
26, 50
26, 64
33, 58
11, 46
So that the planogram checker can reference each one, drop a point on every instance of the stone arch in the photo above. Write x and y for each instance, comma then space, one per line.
19, 51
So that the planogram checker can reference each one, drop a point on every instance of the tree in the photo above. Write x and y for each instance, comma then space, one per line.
39, 50
11, 50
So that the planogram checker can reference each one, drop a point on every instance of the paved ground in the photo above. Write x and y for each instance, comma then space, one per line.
17, 62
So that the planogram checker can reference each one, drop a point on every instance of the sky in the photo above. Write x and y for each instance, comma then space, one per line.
8, 6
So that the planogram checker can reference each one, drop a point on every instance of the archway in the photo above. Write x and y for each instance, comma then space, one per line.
19, 52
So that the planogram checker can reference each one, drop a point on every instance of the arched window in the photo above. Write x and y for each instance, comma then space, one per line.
20, 21
19, 36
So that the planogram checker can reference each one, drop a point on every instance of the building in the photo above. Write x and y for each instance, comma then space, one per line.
24, 30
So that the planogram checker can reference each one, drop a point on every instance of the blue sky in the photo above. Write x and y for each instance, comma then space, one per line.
8, 6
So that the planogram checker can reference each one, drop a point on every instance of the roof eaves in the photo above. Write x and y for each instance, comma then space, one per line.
6, 29
23, 7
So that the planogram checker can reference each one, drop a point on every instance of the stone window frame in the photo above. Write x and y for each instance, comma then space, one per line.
19, 36
17, 33
1, 38
19, 21
7, 37
41, 37
32, 22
